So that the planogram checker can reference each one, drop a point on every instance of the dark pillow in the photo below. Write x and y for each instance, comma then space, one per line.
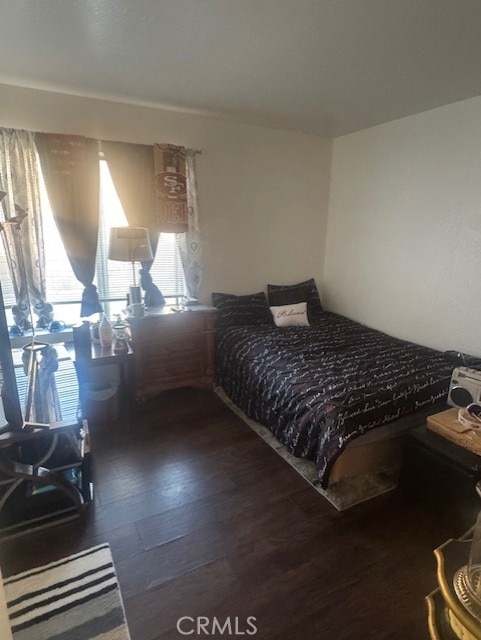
295, 293
235, 311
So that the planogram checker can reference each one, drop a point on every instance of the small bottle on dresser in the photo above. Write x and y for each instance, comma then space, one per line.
105, 332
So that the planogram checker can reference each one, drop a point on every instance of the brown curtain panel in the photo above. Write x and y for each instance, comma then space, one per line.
171, 188
70, 166
132, 169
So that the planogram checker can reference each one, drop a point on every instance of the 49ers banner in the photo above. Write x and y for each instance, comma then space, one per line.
171, 188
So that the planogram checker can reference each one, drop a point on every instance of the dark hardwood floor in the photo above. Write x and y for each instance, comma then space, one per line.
204, 519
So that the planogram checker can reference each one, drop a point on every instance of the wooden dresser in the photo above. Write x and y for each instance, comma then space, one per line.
173, 349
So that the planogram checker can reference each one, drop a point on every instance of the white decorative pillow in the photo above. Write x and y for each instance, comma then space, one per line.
290, 315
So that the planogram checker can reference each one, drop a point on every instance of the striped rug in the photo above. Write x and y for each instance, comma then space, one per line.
76, 598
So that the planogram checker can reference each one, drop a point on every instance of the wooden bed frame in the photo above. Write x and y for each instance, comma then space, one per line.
378, 450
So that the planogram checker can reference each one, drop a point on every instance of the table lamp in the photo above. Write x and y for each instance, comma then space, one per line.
130, 244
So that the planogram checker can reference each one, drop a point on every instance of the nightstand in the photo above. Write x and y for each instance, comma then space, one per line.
173, 349
104, 382
441, 477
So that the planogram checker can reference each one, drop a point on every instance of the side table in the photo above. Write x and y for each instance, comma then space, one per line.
97, 371
441, 477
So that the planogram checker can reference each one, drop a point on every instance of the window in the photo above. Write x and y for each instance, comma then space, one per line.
113, 282
112, 278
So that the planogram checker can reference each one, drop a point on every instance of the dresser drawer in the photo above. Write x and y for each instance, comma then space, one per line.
164, 327
172, 373
177, 369
177, 346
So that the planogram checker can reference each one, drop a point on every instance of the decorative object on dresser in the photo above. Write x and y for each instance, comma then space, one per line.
173, 349
105, 332
120, 339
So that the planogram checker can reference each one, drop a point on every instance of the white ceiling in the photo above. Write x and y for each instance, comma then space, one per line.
325, 67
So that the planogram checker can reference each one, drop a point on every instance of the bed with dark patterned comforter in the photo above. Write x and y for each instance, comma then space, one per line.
319, 387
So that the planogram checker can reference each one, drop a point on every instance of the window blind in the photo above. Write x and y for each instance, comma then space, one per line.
114, 281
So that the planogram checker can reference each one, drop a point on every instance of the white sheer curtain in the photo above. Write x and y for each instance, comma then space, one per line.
190, 243
19, 179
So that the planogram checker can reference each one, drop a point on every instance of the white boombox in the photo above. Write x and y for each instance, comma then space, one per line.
465, 387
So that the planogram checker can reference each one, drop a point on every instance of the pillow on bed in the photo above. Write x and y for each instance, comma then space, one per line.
290, 315
292, 294
236, 311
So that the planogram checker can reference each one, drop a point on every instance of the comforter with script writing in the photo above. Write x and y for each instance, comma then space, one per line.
319, 387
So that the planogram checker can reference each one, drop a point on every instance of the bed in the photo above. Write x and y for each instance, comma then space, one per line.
326, 390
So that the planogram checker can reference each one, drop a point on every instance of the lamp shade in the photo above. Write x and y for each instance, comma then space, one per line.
130, 244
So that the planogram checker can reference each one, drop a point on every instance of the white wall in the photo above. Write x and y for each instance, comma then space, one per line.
262, 192
404, 232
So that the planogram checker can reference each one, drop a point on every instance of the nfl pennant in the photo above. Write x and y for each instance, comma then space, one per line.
170, 188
